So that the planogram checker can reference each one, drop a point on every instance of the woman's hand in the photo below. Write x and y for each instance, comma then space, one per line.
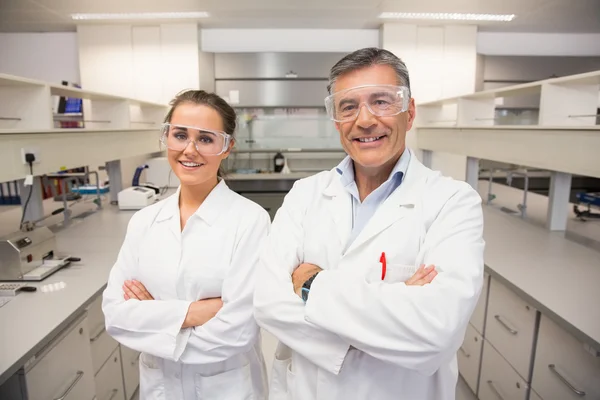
135, 290
200, 312
423, 276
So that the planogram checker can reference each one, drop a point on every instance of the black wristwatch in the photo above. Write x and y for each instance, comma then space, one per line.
306, 287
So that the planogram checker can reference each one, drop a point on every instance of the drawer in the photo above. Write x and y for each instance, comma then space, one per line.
534, 396
109, 381
131, 370
563, 368
95, 314
510, 327
102, 347
101, 343
499, 381
64, 368
469, 357
478, 317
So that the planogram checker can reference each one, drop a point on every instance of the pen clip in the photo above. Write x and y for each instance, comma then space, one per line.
383, 262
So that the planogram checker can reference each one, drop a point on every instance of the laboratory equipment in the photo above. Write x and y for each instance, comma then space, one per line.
30, 256
136, 197
10, 289
591, 200
159, 173
4, 300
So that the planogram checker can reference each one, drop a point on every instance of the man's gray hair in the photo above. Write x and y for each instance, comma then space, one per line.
368, 57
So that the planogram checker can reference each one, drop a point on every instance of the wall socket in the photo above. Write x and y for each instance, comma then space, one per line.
34, 150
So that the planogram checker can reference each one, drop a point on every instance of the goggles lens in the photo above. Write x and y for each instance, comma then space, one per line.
380, 100
207, 142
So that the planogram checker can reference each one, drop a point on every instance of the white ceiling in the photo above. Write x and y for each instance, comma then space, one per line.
559, 16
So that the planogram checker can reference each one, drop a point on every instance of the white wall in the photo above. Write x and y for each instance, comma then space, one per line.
287, 40
50, 57
442, 62
151, 63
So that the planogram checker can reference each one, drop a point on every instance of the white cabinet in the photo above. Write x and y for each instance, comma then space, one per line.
499, 381
510, 327
478, 317
563, 368
109, 380
63, 369
469, 357
533, 395
131, 371
101, 343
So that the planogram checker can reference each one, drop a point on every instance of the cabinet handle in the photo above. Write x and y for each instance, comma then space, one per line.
505, 325
66, 393
92, 340
137, 359
494, 390
564, 380
464, 352
113, 394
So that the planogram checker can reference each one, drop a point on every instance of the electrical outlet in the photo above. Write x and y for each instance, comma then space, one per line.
34, 150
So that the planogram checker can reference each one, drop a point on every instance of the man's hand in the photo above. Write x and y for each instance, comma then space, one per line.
200, 312
302, 274
423, 276
135, 290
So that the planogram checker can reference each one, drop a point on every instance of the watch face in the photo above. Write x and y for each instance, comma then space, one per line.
305, 294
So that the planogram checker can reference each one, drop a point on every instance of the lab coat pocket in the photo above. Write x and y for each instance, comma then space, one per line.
152, 383
235, 384
394, 273
209, 287
281, 373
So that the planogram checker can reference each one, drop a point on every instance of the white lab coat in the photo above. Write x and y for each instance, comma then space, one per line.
358, 337
214, 256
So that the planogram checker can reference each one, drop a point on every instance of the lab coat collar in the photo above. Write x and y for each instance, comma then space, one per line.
210, 209
397, 206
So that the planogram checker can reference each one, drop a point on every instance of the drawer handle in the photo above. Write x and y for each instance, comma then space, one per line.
113, 394
495, 390
66, 393
92, 340
564, 380
505, 325
136, 361
464, 352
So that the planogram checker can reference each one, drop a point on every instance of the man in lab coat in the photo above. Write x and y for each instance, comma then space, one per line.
340, 283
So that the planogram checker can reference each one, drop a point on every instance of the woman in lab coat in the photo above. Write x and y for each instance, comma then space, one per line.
181, 289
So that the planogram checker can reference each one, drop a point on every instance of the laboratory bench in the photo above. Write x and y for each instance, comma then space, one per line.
537, 323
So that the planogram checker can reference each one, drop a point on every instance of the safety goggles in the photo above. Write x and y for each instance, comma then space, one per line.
206, 141
380, 100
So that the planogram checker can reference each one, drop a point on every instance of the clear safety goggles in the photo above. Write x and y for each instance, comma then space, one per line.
206, 141
380, 100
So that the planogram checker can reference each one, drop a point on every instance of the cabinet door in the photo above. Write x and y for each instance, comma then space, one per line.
64, 369
109, 381
563, 368
131, 371
499, 381
478, 317
469, 357
510, 327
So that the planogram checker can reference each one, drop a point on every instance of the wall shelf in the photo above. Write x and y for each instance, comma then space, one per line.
115, 127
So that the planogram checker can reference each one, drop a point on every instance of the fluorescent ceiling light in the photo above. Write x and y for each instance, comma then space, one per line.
450, 16
130, 16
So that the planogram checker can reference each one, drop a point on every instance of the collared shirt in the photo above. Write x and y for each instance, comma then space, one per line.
362, 212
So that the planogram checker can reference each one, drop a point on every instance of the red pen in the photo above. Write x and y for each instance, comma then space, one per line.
383, 265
